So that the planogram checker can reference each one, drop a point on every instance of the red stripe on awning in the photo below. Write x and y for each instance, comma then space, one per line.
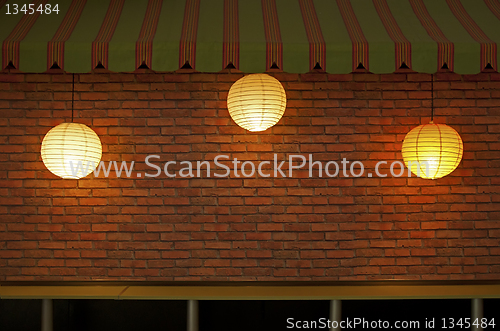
10, 46
359, 42
445, 46
187, 47
231, 50
317, 47
402, 45
100, 44
55, 47
488, 46
144, 44
274, 44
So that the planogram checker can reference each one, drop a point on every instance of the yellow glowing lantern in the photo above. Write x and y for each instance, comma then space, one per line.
432, 151
256, 102
71, 150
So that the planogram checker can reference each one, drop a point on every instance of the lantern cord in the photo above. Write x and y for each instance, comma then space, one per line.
432, 98
72, 97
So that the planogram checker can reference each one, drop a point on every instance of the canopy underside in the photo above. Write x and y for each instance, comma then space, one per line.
296, 36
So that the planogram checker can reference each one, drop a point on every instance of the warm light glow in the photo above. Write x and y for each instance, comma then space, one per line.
256, 102
437, 144
68, 144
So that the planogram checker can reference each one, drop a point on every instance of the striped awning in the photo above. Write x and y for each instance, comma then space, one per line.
297, 36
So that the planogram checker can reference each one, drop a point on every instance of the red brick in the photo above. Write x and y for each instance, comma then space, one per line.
249, 228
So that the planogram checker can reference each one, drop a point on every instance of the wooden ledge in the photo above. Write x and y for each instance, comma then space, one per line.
311, 292
61, 292
252, 291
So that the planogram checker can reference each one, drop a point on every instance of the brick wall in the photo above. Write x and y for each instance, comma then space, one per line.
296, 228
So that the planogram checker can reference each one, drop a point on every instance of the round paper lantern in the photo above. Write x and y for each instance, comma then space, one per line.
436, 146
71, 150
256, 102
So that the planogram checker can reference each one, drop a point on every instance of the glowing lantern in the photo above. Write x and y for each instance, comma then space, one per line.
256, 102
71, 150
433, 150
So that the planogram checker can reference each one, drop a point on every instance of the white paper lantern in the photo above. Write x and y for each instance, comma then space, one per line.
256, 102
71, 150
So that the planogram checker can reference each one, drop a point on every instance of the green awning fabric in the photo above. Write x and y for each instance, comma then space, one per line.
296, 36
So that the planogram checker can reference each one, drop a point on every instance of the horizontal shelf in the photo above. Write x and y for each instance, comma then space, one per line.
243, 291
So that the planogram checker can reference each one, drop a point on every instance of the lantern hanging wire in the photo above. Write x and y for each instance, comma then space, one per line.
432, 98
72, 97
